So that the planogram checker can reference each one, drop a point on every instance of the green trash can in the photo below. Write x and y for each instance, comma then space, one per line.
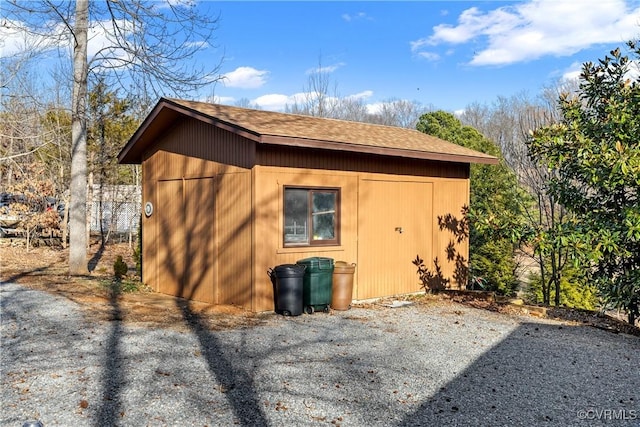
317, 283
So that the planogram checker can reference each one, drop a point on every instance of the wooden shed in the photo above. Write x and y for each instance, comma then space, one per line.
229, 193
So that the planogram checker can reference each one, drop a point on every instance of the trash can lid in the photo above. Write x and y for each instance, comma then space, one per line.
345, 264
285, 270
344, 267
320, 263
315, 260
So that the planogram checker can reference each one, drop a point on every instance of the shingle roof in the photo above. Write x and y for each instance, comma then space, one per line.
306, 131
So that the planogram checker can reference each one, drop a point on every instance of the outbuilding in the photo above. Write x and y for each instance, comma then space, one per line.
229, 193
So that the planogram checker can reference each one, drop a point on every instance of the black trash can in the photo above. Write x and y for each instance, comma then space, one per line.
288, 279
318, 278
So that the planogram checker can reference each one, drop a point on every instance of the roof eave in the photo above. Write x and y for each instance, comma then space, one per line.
161, 117
384, 151
166, 112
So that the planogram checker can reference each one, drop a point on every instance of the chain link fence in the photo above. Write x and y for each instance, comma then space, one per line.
115, 209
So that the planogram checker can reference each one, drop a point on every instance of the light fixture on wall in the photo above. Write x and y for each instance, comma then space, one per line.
148, 209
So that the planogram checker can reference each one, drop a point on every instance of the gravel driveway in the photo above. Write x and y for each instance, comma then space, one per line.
419, 365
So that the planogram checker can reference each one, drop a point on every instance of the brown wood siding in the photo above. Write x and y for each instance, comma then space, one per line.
197, 244
330, 160
450, 196
269, 250
186, 250
203, 150
149, 225
395, 224
230, 211
234, 244
170, 237
200, 281
373, 205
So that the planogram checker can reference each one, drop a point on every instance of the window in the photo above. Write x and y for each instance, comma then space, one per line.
311, 216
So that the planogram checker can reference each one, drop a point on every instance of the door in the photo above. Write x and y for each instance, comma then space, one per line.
186, 239
170, 239
395, 225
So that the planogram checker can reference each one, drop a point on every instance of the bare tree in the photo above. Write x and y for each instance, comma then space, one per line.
509, 122
244, 103
146, 48
352, 109
78, 241
20, 128
320, 98
316, 100
399, 112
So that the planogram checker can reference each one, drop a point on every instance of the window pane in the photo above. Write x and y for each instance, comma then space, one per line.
296, 213
324, 215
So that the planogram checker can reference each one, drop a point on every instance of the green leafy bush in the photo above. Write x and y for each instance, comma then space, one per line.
120, 268
574, 293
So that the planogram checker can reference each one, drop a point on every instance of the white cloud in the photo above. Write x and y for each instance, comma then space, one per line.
361, 95
278, 102
634, 70
327, 69
358, 16
274, 101
13, 38
245, 78
431, 56
102, 43
572, 72
225, 100
536, 28
375, 108
16, 38
175, 3
198, 44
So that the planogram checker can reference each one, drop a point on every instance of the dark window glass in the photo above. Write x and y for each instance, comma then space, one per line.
311, 216
296, 216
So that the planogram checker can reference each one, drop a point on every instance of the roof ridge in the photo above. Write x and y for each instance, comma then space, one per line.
304, 116
277, 128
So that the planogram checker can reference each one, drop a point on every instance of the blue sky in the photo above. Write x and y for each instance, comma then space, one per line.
445, 54
441, 54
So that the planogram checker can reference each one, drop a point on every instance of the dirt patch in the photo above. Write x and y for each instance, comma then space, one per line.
574, 316
46, 269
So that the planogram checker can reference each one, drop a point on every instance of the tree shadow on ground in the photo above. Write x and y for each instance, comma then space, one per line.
236, 384
112, 379
95, 259
539, 375
22, 274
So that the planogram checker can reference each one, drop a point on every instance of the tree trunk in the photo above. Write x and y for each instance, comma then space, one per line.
78, 208
555, 277
634, 311
543, 280
65, 220
90, 197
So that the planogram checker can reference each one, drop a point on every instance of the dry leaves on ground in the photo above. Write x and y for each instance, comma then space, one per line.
45, 268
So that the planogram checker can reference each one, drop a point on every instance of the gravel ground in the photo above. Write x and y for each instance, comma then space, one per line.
421, 365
